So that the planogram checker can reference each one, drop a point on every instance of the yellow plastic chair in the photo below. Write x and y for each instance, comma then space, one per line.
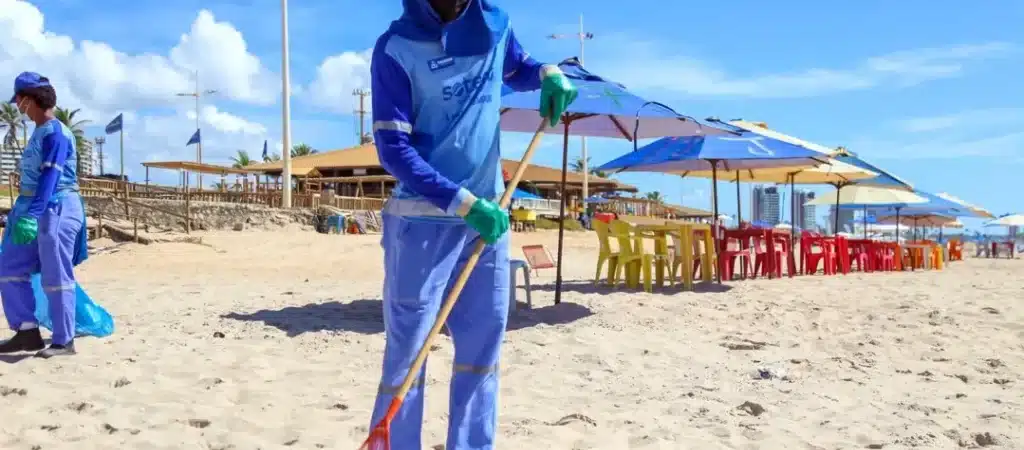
632, 259
683, 256
605, 253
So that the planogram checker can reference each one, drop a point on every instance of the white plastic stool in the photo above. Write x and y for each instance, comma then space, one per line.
517, 264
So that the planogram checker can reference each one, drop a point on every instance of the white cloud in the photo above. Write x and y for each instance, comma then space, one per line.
101, 80
973, 119
992, 133
227, 122
648, 65
338, 77
998, 144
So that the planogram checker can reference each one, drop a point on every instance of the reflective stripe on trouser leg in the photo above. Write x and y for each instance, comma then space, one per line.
419, 259
58, 233
477, 325
16, 263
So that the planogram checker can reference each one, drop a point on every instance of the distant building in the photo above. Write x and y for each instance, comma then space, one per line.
765, 203
846, 219
805, 214
87, 163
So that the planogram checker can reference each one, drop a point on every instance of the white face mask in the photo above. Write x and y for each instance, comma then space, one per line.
23, 109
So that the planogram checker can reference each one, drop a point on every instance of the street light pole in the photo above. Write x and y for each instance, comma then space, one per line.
199, 145
286, 116
583, 36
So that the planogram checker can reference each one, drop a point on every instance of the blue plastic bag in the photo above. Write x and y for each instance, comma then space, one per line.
90, 319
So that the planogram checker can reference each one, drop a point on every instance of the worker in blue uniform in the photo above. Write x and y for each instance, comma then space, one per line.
44, 228
437, 76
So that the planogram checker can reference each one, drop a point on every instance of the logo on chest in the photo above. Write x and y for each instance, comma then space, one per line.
465, 86
443, 62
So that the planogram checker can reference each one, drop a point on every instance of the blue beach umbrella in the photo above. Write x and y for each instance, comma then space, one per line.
521, 194
747, 151
603, 108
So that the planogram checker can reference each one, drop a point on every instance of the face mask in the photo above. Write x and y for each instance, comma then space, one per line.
23, 109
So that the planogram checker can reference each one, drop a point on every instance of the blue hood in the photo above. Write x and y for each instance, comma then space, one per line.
475, 32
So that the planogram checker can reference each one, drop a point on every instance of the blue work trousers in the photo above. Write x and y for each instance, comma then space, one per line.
51, 255
422, 259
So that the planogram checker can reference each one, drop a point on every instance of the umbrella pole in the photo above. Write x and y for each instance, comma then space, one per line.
561, 212
835, 220
898, 226
714, 210
865, 222
792, 223
739, 205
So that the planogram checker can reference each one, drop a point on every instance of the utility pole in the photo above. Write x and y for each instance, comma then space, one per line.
100, 140
583, 36
362, 94
286, 113
199, 146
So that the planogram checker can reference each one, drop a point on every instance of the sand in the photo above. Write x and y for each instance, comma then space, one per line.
264, 340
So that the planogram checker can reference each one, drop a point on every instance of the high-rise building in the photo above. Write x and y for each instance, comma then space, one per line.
846, 219
765, 204
86, 163
805, 214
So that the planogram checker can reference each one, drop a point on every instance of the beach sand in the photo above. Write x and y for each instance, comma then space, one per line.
267, 340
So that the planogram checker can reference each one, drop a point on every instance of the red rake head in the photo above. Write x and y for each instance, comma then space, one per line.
380, 438
380, 435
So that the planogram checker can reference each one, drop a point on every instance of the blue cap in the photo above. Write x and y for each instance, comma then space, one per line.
28, 80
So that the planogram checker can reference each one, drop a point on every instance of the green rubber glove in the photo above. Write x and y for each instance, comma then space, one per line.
490, 221
556, 94
26, 229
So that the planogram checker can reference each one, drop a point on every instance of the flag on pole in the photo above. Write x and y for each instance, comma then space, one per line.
115, 125
265, 155
194, 139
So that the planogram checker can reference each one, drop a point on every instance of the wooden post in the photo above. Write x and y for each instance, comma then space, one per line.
188, 212
10, 187
99, 226
135, 229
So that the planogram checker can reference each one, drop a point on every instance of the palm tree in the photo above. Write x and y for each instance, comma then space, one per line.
241, 159
577, 166
10, 119
272, 158
655, 196
302, 150
82, 145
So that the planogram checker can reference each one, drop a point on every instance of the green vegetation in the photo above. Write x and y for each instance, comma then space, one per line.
241, 160
82, 144
302, 150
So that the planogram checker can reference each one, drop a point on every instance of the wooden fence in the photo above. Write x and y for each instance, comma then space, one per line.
127, 194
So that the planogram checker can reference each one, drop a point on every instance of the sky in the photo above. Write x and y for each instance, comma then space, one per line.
929, 91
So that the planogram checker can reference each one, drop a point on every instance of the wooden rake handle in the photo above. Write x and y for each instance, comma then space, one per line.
460, 282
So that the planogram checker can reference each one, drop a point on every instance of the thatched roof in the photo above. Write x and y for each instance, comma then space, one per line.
365, 157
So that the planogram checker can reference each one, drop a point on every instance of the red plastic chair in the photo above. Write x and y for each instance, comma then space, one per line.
817, 251
861, 252
884, 256
776, 252
729, 251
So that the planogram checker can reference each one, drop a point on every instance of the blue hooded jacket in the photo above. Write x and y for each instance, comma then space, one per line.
436, 105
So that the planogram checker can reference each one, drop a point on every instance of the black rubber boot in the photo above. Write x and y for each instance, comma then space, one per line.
57, 350
23, 341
